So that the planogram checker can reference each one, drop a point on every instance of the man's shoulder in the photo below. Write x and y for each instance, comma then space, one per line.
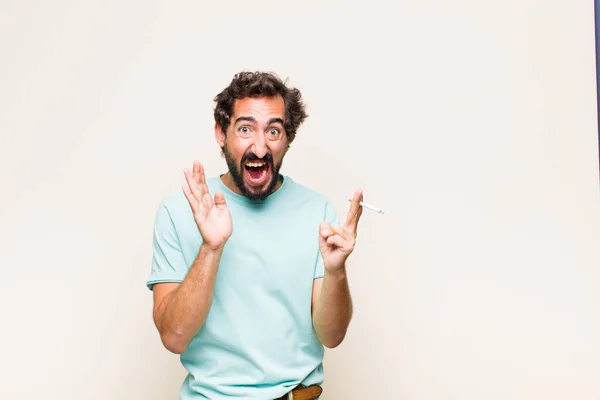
307, 193
174, 201
309, 201
174, 207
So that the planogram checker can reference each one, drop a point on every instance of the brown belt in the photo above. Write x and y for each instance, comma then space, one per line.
303, 393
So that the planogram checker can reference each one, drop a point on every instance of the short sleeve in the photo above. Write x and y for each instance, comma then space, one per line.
168, 262
331, 217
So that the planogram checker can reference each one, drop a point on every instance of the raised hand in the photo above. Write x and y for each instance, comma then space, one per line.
211, 215
337, 243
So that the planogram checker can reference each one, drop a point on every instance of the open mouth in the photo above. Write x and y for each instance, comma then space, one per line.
257, 172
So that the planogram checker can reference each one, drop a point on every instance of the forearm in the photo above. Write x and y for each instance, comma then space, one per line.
333, 309
183, 311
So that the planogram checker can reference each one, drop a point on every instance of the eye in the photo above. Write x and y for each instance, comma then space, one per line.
244, 131
273, 132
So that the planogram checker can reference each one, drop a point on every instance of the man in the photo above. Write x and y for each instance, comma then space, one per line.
249, 268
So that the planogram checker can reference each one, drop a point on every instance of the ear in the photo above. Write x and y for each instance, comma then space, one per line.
219, 135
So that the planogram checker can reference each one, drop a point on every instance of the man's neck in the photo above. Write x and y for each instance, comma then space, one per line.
230, 184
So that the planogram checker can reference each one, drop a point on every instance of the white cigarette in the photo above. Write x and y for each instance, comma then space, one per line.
370, 207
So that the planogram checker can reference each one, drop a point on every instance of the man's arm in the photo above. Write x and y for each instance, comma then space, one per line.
180, 309
332, 308
331, 300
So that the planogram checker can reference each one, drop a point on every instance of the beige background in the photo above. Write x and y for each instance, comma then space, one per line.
472, 122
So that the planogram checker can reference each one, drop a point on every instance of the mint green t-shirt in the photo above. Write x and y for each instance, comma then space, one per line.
258, 341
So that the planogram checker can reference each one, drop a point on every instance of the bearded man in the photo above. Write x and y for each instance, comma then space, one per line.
248, 270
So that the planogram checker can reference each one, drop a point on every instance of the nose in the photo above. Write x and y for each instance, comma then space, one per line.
260, 146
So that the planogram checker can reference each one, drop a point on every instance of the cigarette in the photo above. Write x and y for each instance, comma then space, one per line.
370, 207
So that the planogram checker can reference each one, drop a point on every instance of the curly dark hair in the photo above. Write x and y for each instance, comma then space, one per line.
260, 84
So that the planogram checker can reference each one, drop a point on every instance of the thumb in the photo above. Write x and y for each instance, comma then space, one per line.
220, 202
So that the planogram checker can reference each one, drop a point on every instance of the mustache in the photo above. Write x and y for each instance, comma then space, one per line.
253, 157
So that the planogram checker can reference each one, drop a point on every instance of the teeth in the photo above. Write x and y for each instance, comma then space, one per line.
255, 164
261, 176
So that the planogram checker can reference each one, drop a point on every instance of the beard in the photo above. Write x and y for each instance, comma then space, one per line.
237, 173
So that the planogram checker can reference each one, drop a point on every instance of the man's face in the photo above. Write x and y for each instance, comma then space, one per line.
254, 146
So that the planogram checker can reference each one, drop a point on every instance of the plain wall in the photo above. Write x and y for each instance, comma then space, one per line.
473, 123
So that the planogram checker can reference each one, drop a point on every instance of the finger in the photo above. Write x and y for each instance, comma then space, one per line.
203, 189
337, 241
220, 202
201, 173
325, 230
200, 178
355, 211
190, 197
197, 190
208, 200
196, 171
343, 232
191, 183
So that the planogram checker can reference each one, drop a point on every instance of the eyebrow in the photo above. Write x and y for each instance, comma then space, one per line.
251, 119
275, 120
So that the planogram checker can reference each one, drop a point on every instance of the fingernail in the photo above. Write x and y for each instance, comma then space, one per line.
325, 232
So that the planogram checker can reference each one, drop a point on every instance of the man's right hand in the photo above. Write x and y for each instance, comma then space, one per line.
211, 215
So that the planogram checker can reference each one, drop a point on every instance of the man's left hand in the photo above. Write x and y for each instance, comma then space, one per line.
337, 243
